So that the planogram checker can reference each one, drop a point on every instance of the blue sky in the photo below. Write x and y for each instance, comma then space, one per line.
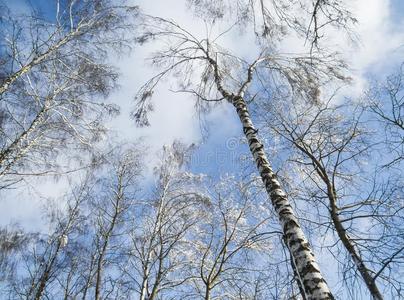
397, 10
379, 50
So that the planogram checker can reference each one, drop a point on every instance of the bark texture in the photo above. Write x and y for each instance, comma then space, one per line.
310, 277
20, 145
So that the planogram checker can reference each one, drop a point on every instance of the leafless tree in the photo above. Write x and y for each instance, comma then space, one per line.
187, 238
230, 245
76, 258
43, 258
111, 208
331, 148
214, 74
386, 101
54, 76
157, 251
12, 241
276, 18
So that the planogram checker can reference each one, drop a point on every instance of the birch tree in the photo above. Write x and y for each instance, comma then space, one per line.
86, 239
214, 74
230, 245
157, 252
46, 255
54, 79
331, 150
111, 207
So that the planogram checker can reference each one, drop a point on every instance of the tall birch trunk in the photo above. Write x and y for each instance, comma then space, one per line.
309, 275
308, 271
145, 283
107, 236
15, 147
44, 279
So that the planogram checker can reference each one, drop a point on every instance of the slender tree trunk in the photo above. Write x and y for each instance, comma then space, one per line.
89, 277
310, 277
45, 275
14, 146
99, 274
349, 246
66, 289
42, 285
156, 230
341, 231
207, 292
143, 291
107, 237
4, 86
155, 288
10, 80
43, 281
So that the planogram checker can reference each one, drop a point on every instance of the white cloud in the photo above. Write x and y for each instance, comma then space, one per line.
381, 42
380, 47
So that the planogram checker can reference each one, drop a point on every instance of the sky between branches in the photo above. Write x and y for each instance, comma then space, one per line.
379, 49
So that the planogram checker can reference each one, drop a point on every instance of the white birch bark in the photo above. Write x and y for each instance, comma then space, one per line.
310, 277
320, 169
314, 285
